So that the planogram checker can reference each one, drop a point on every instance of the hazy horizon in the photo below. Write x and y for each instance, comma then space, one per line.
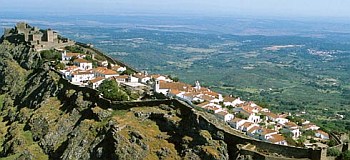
255, 8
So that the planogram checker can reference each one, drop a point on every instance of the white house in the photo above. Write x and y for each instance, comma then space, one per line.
164, 87
217, 99
161, 78
281, 120
253, 130
83, 64
104, 72
277, 139
95, 83
121, 78
142, 77
254, 118
103, 63
270, 116
237, 102
246, 126
225, 116
68, 56
265, 133
310, 126
322, 135
68, 70
118, 68
236, 122
81, 76
293, 128
133, 79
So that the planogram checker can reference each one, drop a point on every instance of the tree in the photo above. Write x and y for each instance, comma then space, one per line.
75, 49
110, 90
242, 116
88, 57
127, 72
346, 155
73, 58
332, 142
175, 79
333, 152
109, 66
60, 66
50, 55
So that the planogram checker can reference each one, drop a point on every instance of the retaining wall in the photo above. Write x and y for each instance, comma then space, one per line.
231, 138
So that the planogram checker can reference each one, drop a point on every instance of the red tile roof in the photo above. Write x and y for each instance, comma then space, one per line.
81, 61
174, 91
229, 99
276, 138
322, 132
236, 120
203, 104
254, 128
270, 114
247, 124
266, 131
140, 75
290, 125
105, 71
97, 79
175, 86
222, 113
71, 54
211, 93
79, 72
207, 98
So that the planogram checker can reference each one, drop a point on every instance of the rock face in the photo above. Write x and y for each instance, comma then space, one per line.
41, 119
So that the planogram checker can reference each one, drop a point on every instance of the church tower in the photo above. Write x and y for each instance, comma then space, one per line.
197, 86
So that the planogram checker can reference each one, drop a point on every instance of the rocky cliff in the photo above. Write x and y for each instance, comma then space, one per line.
42, 118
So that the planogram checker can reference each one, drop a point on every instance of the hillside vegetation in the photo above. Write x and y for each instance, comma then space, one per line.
41, 118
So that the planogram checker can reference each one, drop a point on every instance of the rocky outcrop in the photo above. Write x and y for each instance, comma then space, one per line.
43, 118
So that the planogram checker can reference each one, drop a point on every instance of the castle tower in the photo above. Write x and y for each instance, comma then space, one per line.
49, 35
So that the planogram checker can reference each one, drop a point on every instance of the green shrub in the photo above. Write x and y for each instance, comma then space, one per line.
75, 49
333, 152
51, 55
345, 155
111, 90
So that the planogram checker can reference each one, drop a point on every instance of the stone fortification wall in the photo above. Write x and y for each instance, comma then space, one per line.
340, 146
232, 139
229, 136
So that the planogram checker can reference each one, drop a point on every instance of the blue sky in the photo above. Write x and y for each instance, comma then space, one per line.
289, 8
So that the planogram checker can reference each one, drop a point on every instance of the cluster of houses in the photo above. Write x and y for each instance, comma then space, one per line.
248, 117
83, 73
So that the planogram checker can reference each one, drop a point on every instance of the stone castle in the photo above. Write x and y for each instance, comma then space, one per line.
37, 38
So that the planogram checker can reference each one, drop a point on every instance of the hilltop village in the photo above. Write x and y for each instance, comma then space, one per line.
84, 67
245, 116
